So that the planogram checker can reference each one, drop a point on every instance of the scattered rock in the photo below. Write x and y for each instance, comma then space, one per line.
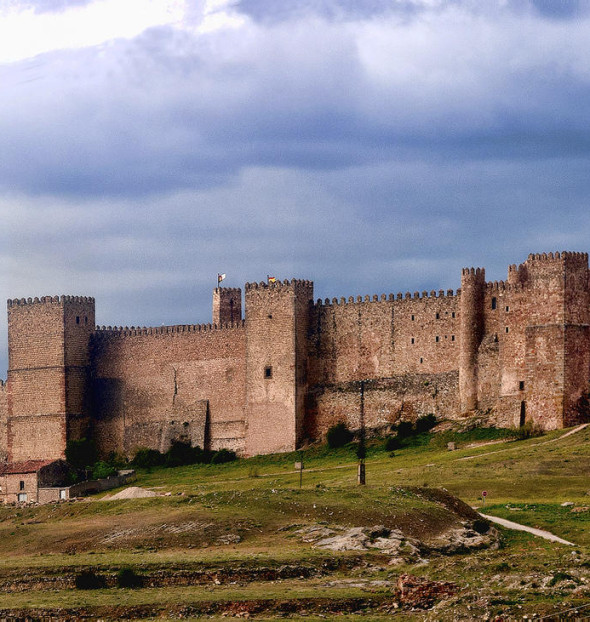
421, 593
567, 504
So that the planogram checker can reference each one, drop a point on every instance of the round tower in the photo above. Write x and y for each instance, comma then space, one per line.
471, 333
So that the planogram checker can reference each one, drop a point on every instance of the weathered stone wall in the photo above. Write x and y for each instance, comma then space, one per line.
48, 361
153, 385
386, 401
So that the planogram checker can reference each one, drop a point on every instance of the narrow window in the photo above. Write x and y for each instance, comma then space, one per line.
77, 319
412, 340
453, 314
438, 316
452, 337
494, 303
85, 319
21, 485
507, 329
412, 318
437, 338
507, 308
421, 360
522, 413
521, 385
268, 372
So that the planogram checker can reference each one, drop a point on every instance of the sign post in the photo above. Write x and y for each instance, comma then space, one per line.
484, 494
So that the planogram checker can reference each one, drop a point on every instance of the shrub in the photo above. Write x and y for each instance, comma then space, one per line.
89, 580
425, 423
101, 470
404, 429
81, 453
128, 578
391, 443
222, 456
147, 458
179, 454
338, 435
528, 430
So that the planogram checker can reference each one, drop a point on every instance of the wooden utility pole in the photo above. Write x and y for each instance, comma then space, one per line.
362, 451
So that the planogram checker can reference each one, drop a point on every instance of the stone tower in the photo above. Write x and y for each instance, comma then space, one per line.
277, 318
473, 283
48, 367
227, 305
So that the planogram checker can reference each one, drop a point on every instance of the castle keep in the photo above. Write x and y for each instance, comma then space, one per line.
289, 368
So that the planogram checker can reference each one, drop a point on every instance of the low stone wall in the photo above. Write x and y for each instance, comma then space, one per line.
82, 489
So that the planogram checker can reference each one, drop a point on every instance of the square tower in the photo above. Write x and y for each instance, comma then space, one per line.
48, 367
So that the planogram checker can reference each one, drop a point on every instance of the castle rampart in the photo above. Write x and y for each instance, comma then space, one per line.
518, 349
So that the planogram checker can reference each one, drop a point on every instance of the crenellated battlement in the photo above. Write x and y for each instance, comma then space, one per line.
20, 302
583, 257
378, 298
229, 290
278, 284
104, 332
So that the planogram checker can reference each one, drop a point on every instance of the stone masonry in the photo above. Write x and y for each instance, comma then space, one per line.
518, 350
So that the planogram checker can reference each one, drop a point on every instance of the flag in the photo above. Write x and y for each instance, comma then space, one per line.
220, 277
271, 279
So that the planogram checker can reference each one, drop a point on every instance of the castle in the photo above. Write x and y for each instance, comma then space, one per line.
517, 349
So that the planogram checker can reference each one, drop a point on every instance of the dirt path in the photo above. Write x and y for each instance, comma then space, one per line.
518, 527
551, 440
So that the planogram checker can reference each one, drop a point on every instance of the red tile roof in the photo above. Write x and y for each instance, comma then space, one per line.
29, 466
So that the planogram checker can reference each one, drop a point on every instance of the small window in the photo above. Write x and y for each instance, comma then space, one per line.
62, 494
453, 314
521, 385
452, 337
270, 316
77, 319
21, 485
413, 318
85, 319
268, 372
494, 303
507, 308
413, 340
437, 339
438, 316
507, 329
421, 360
22, 497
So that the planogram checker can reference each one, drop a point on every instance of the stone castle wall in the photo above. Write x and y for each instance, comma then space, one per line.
517, 349
155, 385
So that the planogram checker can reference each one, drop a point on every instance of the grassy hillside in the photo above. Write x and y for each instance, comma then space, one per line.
231, 539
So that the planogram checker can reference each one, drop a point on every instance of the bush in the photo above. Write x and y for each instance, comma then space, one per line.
81, 454
404, 429
222, 456
179, 454
89, 580
528, 430
425, 423
128, 578
338, 436
392, 443
101, 470
147, 458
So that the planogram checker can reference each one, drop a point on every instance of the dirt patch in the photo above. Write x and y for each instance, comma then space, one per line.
133, 492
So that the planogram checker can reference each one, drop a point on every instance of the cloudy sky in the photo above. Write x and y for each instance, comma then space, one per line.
369, 145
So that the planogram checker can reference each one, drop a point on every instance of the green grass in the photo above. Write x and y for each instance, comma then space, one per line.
259, 499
